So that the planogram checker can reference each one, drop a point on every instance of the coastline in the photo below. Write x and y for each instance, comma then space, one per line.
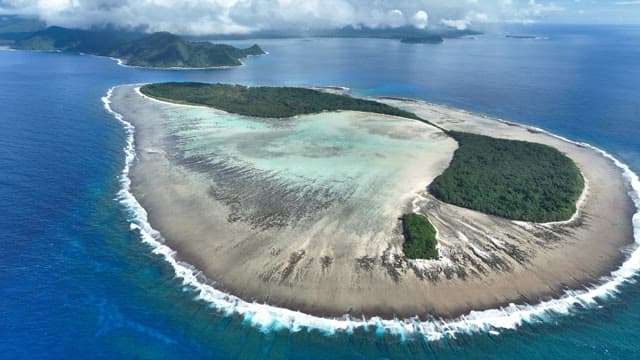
122, 63
604, 269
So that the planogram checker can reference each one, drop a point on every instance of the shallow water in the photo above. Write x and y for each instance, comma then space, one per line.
312, 161
76, 281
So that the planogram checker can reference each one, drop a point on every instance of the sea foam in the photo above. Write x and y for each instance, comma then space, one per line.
271, 318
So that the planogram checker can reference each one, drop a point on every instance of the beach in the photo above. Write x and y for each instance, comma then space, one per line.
320, 260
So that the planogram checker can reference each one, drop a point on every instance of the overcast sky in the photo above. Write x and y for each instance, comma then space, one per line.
197, 17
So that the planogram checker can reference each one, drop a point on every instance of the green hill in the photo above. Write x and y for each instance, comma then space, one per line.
15, 28
161, 49
72, 40
164, 49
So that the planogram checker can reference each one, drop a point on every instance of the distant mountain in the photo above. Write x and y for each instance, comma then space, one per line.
514, 36
15, 28
161, 49
164, 49
407, 34
428, 39
102, 42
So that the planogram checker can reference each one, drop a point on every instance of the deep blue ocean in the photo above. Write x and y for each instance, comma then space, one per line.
75, 282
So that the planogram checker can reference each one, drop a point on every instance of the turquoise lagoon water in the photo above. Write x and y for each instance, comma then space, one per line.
75, 281
309, 147
328, 155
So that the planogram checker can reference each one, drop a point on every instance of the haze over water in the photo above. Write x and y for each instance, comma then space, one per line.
76, 282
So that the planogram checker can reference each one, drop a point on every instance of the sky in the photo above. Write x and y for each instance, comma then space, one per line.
201, 17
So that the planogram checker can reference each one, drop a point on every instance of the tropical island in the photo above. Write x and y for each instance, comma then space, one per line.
158, 50
328, 203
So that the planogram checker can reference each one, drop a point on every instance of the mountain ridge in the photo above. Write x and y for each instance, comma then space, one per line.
159, 50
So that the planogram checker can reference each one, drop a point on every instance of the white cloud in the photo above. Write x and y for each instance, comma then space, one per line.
458, 24
396, 18
470, 18
421, 19
536, 8
233, 16
477, 17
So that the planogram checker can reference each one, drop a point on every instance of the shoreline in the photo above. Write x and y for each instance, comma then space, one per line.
122, 63
475, 307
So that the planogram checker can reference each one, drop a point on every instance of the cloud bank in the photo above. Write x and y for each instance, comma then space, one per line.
198, 17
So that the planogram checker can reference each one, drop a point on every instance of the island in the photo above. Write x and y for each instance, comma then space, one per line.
434, 39
406, 34
514, 36
331, 204
157, 50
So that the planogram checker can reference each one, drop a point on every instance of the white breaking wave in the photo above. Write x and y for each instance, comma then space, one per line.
267, 318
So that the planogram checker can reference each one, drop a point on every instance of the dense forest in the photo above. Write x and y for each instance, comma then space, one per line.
420, 237
513, 179
267, 102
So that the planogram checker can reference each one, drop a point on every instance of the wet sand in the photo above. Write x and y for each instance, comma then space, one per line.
343, 258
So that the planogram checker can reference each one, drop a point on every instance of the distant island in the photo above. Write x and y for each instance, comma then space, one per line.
431, 39
160, 50
406, 34
326, 203
168, 50
512, 36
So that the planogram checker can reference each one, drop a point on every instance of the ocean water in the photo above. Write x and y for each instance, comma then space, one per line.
76, 281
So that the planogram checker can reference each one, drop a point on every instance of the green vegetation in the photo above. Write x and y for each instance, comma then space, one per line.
156, 50
167, 50
513, 179
419, 237
267, 102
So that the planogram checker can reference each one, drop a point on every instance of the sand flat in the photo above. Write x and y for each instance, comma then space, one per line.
303, 212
